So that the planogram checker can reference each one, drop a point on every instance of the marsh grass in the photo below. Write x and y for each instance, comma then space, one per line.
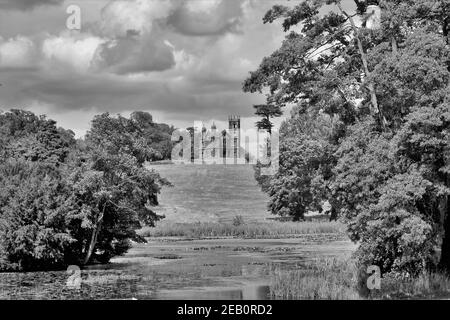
337, 279
244, 230
323, 279
424, 286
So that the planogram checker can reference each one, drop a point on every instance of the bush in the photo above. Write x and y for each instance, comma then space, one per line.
238, 221
34, 202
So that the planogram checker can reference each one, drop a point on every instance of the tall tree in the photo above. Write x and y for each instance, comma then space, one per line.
116, 189
386, 93
267, 112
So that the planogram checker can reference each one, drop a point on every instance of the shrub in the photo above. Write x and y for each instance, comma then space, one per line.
34, 202
238, 221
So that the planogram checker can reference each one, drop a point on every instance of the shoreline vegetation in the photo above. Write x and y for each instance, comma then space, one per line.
269, 229
339, 279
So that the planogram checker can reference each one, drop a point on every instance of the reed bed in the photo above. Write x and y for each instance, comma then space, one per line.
244, 230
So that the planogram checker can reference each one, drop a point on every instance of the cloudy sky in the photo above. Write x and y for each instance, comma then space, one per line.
180, 60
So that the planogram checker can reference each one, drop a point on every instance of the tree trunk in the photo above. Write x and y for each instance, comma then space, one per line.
373, 96
391, 27
444, 264
445, 30
394, 45
333, 214
94, 236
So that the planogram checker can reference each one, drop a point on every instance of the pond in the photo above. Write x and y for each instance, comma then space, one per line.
168, 268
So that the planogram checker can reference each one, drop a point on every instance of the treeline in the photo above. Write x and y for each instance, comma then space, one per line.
370, 130
65, 201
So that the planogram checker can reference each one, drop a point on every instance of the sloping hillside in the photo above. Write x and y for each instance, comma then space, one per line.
211, 193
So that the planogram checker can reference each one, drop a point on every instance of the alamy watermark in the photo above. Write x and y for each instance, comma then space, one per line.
74, 279
73, 22
374, 280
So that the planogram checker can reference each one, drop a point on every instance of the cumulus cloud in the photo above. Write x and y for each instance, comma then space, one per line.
114, 94
207, 17
118, 17
183, 60
71, 53
209, 68
188, 17
135, 54
18, 52
26, 4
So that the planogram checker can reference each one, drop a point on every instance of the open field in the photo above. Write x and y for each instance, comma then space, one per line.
206, 199
211, 193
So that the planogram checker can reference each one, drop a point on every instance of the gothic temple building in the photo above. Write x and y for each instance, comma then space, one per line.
219, 147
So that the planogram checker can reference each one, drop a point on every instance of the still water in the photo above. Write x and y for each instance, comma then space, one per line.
232, 269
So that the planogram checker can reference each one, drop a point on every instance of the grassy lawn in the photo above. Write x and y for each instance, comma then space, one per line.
207, 199
211, 193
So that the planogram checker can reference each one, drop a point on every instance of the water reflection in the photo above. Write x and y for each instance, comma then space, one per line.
252, 292
256, 293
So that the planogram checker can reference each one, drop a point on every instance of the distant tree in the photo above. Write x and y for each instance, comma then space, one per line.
142, 119
267, 112
306, 159
35, 138
157, 135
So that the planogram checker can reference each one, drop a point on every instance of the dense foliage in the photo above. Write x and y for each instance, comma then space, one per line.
370, 127
157, 135
26, 136
74, 202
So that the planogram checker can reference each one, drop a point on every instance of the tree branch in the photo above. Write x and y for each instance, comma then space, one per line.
371, 86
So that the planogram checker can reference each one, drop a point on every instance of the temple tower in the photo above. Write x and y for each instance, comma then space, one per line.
234, 126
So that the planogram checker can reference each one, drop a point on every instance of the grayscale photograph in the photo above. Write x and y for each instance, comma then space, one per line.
223, 150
